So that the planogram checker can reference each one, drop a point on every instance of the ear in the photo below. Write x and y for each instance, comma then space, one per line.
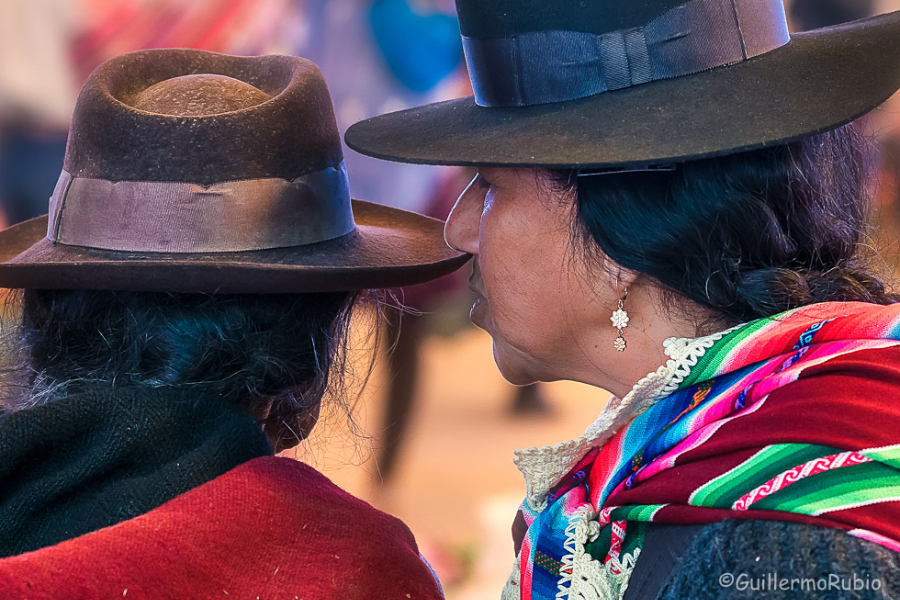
615, 276
625, 278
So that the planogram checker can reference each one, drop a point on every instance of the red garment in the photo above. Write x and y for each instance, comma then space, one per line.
272, 528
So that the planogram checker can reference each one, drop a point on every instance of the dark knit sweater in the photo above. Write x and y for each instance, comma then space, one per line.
95, 459
160, 496
763, 558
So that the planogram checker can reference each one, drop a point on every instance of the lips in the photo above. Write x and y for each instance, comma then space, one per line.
477, 314
475, 280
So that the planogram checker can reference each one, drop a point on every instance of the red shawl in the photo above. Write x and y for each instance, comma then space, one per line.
272, 528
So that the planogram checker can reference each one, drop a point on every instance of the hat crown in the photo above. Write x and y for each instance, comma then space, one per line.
199, 95
500, 18
200, 117
182, 151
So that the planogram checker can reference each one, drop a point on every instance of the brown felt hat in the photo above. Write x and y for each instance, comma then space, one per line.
188, 171
618, 84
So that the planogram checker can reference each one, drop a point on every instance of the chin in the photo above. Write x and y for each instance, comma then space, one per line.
512, 372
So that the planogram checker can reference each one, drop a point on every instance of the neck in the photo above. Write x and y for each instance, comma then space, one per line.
654, 316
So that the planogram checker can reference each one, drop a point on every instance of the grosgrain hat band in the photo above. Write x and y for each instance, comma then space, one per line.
542, 67
179, 217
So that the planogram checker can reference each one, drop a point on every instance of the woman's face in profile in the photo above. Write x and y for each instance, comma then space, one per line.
538, 297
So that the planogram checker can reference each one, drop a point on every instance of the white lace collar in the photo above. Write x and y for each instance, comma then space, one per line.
544, 467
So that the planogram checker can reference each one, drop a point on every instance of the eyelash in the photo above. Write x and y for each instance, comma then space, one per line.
482, 182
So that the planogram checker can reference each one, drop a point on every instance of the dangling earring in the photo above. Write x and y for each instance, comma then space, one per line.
620, 321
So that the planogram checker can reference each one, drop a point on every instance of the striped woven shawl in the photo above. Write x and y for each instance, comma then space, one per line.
790, 418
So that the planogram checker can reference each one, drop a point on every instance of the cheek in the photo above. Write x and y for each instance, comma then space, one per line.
528, 287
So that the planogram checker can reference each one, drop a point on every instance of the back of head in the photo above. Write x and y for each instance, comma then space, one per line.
747, 235
272, 352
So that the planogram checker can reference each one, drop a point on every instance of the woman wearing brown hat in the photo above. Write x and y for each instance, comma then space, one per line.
185, 308
677, 188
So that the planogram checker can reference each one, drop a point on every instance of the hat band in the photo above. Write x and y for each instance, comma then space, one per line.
180, 217
542, 67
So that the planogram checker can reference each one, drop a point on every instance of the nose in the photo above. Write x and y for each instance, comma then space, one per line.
464, 222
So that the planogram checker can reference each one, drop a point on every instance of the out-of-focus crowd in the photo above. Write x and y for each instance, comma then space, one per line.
377, 55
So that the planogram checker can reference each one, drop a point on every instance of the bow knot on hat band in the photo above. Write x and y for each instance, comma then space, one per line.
542, 67
610, 85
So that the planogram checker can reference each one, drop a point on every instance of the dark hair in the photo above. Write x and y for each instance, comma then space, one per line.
240, 348
747, 235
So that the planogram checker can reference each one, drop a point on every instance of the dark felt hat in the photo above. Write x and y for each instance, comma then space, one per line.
636, 83
189, 171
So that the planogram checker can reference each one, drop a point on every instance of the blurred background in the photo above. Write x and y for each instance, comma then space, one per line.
430, 438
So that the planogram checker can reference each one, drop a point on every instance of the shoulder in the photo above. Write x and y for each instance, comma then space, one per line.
307, 514
745, 559
293, 485
306, 500
269, 525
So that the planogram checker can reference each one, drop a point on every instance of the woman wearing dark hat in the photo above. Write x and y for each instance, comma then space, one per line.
185, 307
680, 184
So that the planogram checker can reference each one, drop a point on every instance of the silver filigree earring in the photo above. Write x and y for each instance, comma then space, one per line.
620, 321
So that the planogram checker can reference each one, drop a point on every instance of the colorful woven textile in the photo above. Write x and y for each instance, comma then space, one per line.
791, 418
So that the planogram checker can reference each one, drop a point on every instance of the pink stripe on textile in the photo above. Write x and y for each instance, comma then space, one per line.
574, 499
667, 460
877, 538
818, 354
753, 345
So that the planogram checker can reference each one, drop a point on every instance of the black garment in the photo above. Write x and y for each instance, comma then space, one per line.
95, 459
743, 560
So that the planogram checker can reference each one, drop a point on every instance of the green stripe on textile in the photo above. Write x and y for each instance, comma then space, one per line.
889, 455
640, 512
599, 548
634, 538
766, 464
835, 490
712, 359
887, 489
605, 538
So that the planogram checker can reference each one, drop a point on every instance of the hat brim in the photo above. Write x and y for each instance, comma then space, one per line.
390, 248
819, 81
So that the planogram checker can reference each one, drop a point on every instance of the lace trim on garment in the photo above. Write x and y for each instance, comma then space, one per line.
512, 589
583, 577
544, 467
